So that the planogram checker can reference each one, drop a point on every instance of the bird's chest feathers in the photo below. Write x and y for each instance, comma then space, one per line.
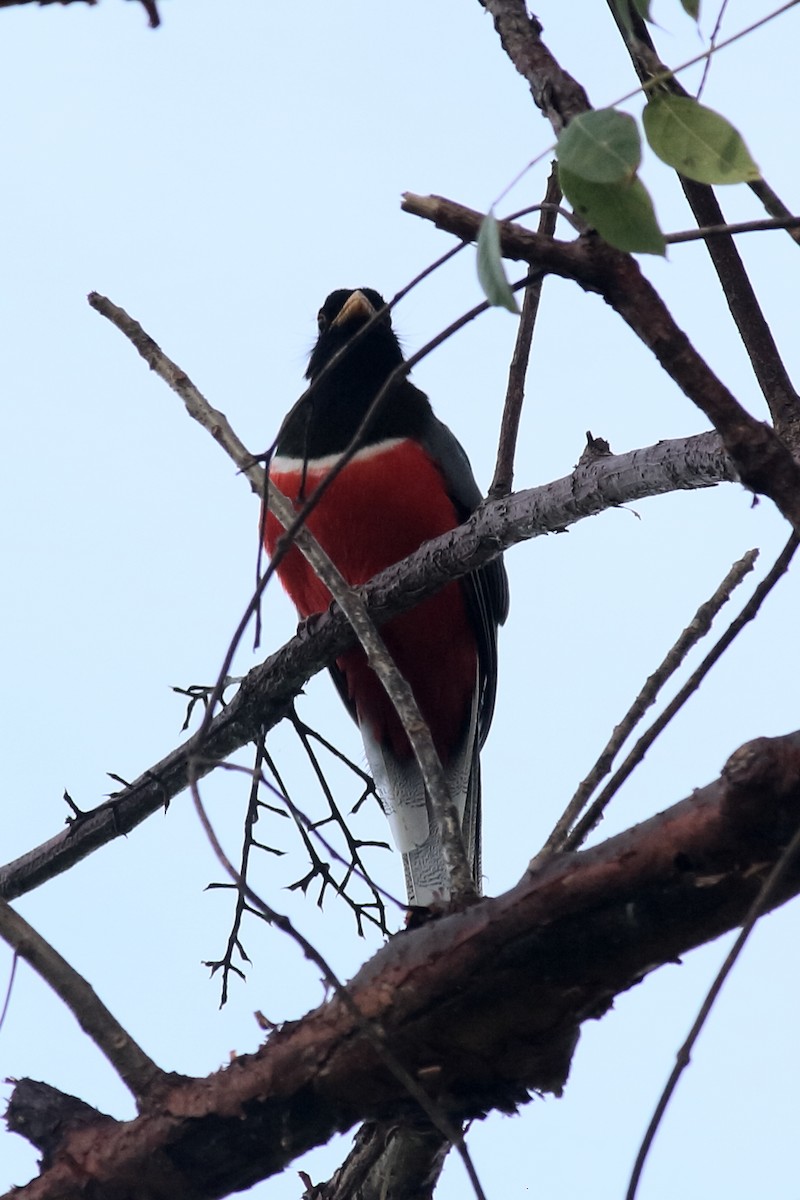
388, 500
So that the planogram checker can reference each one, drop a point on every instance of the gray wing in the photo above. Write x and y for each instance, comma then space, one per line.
487, 588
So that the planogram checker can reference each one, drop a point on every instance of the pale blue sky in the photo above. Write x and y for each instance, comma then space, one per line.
217, 178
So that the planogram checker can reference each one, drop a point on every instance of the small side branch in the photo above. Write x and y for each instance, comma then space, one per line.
136, 1070
350, 602
756, 335
267, 692
763, 461
698, 627
515, 391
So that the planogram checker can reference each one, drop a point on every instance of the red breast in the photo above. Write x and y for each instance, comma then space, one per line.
389, 499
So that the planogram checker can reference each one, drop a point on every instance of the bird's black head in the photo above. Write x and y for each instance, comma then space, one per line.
326, 421
345, 312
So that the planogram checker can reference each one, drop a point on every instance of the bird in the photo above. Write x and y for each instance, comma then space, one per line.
408, 481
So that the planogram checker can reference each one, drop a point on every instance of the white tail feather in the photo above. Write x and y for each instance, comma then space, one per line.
405, 803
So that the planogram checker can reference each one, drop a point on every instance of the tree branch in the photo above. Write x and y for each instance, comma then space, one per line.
763, 461
748, 316
149, 7
136, 1070
269, 689
349, 600
483, 1005
697, 628
554, 91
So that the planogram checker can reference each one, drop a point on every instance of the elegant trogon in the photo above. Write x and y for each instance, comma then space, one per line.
409, 481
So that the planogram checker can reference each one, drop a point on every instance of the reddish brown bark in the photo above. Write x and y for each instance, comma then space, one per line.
481, 1006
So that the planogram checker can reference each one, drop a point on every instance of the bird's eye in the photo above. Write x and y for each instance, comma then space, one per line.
322, 321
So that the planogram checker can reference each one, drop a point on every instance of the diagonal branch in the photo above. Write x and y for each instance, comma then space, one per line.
136, 1070
697, 628
756, 335
349, 600
763, 461
554, 91
484, 1004
268, 690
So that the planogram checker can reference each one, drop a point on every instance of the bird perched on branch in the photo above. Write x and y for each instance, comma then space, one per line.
408, 481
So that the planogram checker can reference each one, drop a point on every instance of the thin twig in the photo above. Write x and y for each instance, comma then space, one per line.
750, 610
709, 231
546, 75
355, 866
226, 963
445, 813
136, 1070
763, 460
769, 889
751, 323
712, 46
515, 393
269, 688
698, 627
9, 989
373, 1031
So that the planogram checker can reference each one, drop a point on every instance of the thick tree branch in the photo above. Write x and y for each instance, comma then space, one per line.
763, 461
756, 335
268, 690
560, 98
481, 1006
554, 91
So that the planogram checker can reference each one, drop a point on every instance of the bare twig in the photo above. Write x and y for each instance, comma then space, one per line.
515, 392
754, 331
764, 462
710, 231
554, 91
369, 1026
234, 946
712, 44
355, 866
444, 810
267, 691
750, 610
697, 629
9, 989
136, 1070
769, 890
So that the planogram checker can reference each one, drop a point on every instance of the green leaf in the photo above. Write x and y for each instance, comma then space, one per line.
491, 272
622, 213
692, 7
603, 146
697, 141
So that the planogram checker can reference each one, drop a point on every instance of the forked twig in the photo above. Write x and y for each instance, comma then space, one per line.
768, 890
750, 610
372, 1030
697, 628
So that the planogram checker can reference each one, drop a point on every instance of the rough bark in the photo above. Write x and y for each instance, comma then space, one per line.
268, 690
481, 1006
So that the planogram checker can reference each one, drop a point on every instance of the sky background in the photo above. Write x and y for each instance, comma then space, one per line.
217, 178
